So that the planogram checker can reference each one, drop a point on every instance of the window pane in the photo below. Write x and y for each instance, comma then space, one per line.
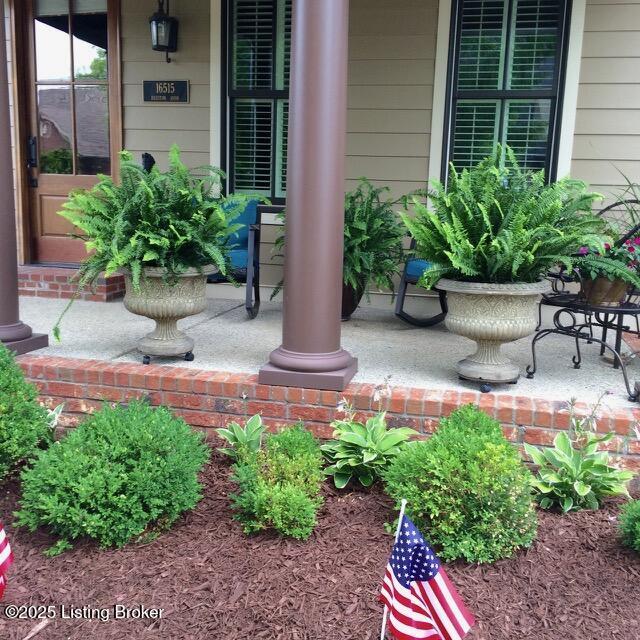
281, 148
535, 40
253, 22
476, 131
252, 135
92, 130
53, 58
482, 41
283, 59
527, 131
54, 129
89, 27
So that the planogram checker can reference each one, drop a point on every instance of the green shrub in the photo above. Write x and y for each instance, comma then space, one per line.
630, 525
279, 486
240, 438
467, 488
124, 472
24, 424
362, 451
573, 474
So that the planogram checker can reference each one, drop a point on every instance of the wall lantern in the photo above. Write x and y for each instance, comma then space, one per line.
164, 30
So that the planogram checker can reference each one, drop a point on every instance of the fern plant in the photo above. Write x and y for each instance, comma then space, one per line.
499, 223
173, 220
619, 262
373, 238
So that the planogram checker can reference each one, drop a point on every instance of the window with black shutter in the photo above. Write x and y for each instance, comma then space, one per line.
259, 46
506, 74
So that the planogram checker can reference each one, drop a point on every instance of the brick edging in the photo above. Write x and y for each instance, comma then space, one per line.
58, 282
212, 398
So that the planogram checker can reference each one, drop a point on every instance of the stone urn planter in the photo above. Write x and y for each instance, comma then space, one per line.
491, 315
166, 303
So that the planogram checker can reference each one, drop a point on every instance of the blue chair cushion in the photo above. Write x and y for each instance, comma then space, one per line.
248, 217
238, 258
415, 268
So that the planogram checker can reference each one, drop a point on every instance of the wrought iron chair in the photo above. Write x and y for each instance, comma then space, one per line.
413, 269
245, 258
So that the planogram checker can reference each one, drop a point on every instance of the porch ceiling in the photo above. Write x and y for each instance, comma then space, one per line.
387, 349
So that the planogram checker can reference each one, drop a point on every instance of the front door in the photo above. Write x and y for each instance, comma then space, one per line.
73, 102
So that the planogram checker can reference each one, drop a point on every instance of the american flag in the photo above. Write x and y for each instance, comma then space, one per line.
6, 559
420, 599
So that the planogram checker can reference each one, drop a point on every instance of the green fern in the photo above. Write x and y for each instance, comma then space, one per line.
172, 220
595, 266
498, 223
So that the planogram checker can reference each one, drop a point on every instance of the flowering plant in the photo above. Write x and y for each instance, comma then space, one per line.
617, 262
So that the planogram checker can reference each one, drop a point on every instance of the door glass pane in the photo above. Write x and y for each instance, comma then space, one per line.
53, 57
92, 130
89, 27
282, 130
54, 129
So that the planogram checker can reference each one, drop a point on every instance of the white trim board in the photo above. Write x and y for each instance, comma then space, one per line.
569, 102
215, 91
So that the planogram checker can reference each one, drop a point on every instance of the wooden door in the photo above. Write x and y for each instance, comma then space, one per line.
74, 121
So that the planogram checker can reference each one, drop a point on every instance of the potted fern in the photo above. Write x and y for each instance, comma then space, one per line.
607, 277
166, 231
373, 244
490, 236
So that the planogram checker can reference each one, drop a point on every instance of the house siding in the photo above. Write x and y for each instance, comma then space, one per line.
607, 132
151, 127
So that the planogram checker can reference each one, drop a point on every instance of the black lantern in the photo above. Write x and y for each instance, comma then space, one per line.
164, 30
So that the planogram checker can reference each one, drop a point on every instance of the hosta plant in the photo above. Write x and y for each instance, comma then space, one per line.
574, 474
242, 439
500, 224
362, 451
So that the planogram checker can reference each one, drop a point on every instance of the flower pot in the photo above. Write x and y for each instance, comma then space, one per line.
350, 300
491, 315
166, 303
603, 292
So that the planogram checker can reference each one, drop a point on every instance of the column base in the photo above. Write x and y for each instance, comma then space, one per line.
33, 342
336, 380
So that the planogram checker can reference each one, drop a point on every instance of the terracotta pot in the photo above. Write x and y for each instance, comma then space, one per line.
350, 300
491, 315
166, 303
602, 292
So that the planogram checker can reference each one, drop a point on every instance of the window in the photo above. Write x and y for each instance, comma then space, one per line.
258, 91
505, 78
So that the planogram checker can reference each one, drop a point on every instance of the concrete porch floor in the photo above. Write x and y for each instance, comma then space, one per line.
388, 349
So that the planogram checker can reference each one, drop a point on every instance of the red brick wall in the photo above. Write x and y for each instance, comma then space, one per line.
211, 399
57, 282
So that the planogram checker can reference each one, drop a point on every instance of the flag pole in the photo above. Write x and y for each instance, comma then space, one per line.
383, 631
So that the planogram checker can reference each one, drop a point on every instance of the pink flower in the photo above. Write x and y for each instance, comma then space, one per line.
636, 240
631, 249
607, 246
582, 251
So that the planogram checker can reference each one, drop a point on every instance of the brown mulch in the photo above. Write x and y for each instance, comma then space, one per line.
576, 582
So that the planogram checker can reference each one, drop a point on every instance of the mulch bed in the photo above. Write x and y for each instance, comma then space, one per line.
576, 582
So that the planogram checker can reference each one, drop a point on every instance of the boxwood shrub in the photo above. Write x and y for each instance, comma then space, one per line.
466, 488
279, 485
24, 424
630, 525
125, 472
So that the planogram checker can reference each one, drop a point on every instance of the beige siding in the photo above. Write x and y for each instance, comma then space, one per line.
391, 68
607, 134
155, 127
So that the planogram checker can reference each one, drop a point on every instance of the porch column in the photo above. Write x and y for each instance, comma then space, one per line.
13, 333
311, 354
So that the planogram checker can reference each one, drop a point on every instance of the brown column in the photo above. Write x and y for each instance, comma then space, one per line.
13, 333
310, 354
